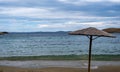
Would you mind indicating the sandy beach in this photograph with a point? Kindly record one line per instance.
(58, 66)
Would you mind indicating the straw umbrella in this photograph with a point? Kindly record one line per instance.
(92, 33)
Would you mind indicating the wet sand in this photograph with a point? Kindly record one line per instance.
(59, 69)
(58, 66)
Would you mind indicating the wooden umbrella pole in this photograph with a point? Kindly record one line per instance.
(90, 33)
(90, 47)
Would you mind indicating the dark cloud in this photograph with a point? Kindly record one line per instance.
(88, 12)
(93, 8)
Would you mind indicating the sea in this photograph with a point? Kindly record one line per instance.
(55, 43)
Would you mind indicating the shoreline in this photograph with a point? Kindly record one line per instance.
(56, 63)
(63, 57)
(62, 63)
(58, 66)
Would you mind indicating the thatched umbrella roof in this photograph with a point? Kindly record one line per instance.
(91, 31)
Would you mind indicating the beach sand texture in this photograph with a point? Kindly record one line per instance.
(57, 66)
(59, 69)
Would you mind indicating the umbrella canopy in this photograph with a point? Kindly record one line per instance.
(90, 32)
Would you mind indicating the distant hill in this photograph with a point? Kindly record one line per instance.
(112, 30)
(1, 33)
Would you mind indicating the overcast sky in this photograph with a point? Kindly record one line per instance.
(58, 15)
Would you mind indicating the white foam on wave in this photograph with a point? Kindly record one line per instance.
(85, 65)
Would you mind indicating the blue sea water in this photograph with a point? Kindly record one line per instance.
(55, 43)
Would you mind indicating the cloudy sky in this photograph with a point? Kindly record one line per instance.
(58, 15)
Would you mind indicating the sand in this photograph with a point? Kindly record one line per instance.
(60, 69)
(58, 66)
